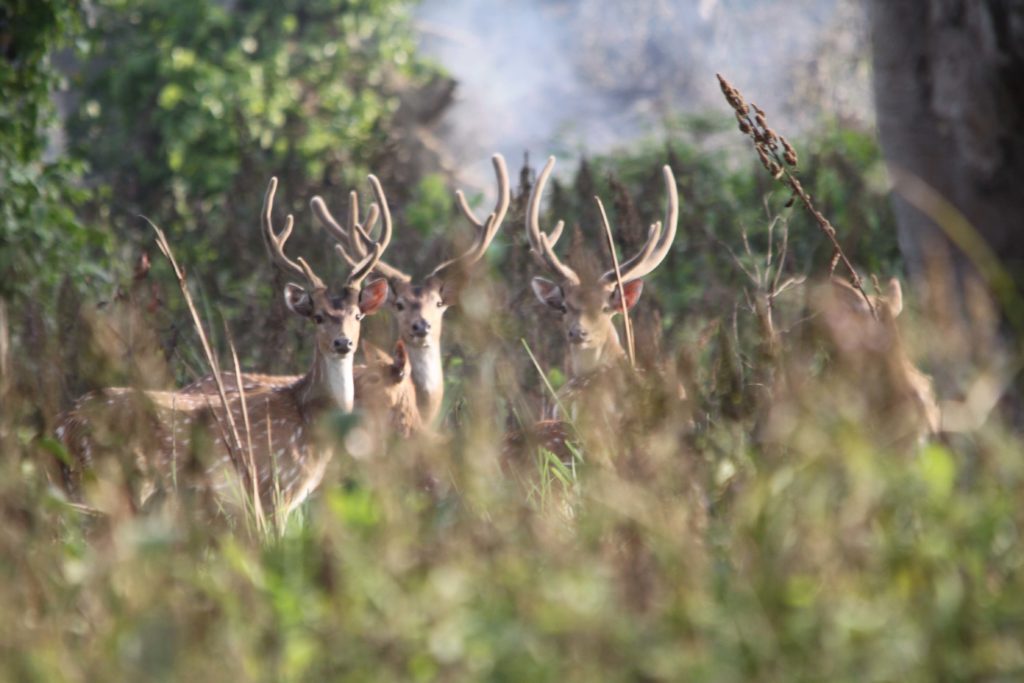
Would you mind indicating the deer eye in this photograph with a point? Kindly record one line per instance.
(360, 316)
(318, 319)
(399, 306)
(440, 304)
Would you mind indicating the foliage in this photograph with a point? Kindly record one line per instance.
(41, 237)
(209, 100)
(840, 167)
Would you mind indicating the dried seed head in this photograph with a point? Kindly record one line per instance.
(760, 120)
(833, 263)
(790, 156)
(733, 96)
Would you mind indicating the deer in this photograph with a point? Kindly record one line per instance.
(266, 438)
(419, 306)
(869, 353)
(587, 306)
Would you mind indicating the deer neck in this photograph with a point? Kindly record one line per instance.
(328, 384)
(585, 360)
(428, 378)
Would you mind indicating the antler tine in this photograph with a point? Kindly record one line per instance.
(275, 241)
(627, 266)
(363, 230)
(657, 246)
(385, 269)
(540, 243)
(363, 268)
(350, 236)
(486, 229)
(326, 218)
(352, 242)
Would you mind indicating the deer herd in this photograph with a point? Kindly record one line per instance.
(261, 433)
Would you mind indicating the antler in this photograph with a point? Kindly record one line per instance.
(352, 243)
(541, 244)
(658, 243)
(487, 229)
(275, 241)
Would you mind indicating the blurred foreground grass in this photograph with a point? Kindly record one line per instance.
(686, 552)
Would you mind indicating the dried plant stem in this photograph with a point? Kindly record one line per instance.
(235, 443)
(250, 459)
(554, 394)
(630, 348)
(779, 157)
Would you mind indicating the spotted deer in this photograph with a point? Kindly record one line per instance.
(870, 357)
(386, 394)
(588, 306)
(419, 307)
(263, 439)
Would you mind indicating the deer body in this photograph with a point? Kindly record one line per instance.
(288, 462)
(265, 436)
(587, 307)
(870, 378)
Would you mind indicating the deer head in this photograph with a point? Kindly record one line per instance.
(419, 307)
(338, 318)
(870, 355)
(587, 307)
(849, 320)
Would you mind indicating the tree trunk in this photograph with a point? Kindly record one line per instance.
(949, 87)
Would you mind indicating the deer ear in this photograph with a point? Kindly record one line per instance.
(894, 295)
(374, 355)
(632, 290)
(298, 300)
(400, 366)
(548, 293)
(373, 295)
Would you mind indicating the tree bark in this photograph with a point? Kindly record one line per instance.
(949, 89)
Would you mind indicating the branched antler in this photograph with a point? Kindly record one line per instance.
(486, 229)
(275, 241)
(354, 243)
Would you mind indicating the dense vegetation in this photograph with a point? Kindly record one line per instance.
(687, 547)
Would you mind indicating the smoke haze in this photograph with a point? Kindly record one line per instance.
(578, 76)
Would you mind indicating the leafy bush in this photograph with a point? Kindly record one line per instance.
(42, 239)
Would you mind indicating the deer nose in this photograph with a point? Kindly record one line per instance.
(342, 345)
(578, 334)
(420, 327)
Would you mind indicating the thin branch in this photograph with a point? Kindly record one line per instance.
(618, 283)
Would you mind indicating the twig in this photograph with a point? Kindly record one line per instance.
(778, 157)
(618, 282)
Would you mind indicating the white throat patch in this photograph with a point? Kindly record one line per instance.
(340, 381)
